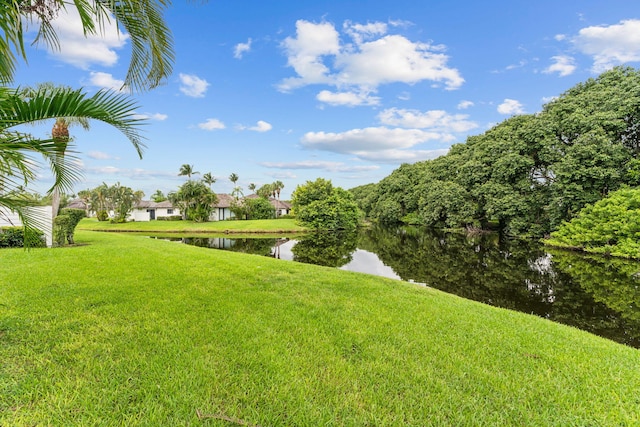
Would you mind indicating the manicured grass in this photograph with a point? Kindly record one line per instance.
(287, 225)
(126, 330)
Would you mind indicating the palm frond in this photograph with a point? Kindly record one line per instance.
(152, 52)
(115, 109)
(11, 39)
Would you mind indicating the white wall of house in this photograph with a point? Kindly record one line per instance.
(42, 214)
(220, 214)
(146, 214)
(139, 215)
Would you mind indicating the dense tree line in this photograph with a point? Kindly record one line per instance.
(529, 173)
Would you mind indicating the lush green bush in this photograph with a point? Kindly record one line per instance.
(169, 218)
(102, 215)
(14, 237)
(610, 226)
(259, 208)
(65, 224)
(321, 206)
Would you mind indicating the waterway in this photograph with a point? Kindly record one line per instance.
(594, 293)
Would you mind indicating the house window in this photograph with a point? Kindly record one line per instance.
(169, 211)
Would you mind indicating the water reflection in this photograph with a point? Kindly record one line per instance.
(600, 295)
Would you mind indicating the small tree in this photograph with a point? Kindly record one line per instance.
(321, 206)
(195, 199)
(64, 225)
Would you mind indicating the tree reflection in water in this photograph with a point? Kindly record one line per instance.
(597, 294)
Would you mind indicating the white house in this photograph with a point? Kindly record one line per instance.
(147, 210)
(222, 209)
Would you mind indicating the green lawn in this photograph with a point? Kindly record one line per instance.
(125, 330)
(255, 226)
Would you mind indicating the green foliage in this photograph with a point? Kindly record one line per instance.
(610, 226)
(195, 199)
(102, 215)
(528, 173)
(169, 218)
(64, 225)
(14, 237)
(329, 249)
(321, 206)
(259, 208)
(365, 196)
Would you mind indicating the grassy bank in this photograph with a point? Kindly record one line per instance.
(125, 330)
(256, 226)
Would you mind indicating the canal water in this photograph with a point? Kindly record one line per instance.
(594, 293)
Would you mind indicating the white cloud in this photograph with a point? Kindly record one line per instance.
(261, 126)
(319, 164)
(151, 116)
(367, 139)
(435, 120)
(547, 99)
(379, 144)
(560, 37)
(136, 173)
(241, 48)
(192, 85)
(82, 51)
(105, 80)
(610, 45)
(305, 52)
(99, 155)
(361, 32)
(463, 105)
(510, 107)
(369, 63)
(211, 124)
(564, 65)
(402, 156)
(350, 99)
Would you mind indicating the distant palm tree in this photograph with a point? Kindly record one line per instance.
(158, 196)
(233, 178)
(187, 170)
(208, 179)
(278, 186)
(252, 187)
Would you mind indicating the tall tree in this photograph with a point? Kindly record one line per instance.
(233, 178)
(187, 170)
(46, 103)
(60, 134)
(208, 179)
(158, 196)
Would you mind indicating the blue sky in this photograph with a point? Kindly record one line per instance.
(343, 90)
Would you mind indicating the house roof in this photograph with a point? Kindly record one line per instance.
(77, 204)
(224, 200)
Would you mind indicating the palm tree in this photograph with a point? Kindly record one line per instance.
(152, 53)
(17, 147)
(158, 196)
(60, 134)
(233, 178)
(278, 186)
(208, 179)
(252, 187)
(187, 170)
